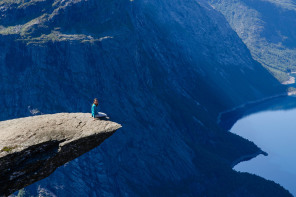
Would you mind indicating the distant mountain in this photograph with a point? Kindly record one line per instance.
(162, 69)
(267, 27)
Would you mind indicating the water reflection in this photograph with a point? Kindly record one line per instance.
(272, 126)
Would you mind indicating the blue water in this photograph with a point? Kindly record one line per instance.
(273, 129)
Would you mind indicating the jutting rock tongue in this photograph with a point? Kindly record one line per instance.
(32, 148)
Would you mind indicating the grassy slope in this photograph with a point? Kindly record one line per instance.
(267, 28)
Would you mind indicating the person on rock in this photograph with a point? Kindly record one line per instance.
(95, 110)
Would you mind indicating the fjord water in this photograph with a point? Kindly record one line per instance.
(272, 127)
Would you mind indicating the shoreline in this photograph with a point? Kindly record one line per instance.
(249, 103)
(248, 157)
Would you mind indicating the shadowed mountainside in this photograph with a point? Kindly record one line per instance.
(165, 70)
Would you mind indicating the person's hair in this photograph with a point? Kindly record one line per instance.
(95, 100)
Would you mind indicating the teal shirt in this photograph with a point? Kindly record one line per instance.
(94, 110)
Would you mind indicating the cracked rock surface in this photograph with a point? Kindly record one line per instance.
(32, 148)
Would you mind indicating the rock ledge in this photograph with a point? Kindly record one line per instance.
(32, 148)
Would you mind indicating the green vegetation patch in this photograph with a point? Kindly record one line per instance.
(8, 148)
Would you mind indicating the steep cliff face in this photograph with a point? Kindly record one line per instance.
(162, 69)
(32, 148)
(267, 27)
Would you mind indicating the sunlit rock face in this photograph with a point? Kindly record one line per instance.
(163, 69)
(32, 148)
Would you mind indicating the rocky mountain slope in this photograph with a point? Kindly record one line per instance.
(32, 148)
(267, 27)
(163, 69)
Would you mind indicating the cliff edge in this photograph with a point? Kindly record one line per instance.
(32, 148)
